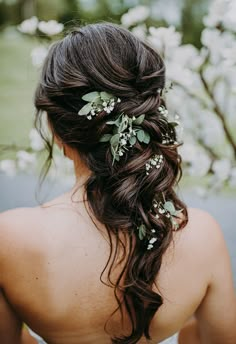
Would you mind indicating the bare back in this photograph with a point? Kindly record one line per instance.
(51, 263)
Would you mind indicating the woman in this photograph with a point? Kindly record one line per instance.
(119, 258)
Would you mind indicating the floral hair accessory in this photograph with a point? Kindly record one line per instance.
(159, 208)
(142, 232)
(163, 111)
(155, 161)
(126, 132)
(97, 102)
(167, 209)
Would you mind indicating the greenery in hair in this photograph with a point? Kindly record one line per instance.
(126, 132)
(97, 102)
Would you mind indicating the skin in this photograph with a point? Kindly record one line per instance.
(51, 258)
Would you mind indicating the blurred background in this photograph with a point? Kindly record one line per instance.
(197, 40)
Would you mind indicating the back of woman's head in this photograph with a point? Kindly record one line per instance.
(132, 195)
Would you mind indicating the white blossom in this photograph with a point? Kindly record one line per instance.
(164, 40)
(8, 166)
(38, 55)
(210, 128)
(230, 16)
(222, 12)
(36, 141)
(29, 26)
(217, 42)
(50, 28)
(135, 15)
(214, 17)
(188, 56)
(140, 31)
(229, 54)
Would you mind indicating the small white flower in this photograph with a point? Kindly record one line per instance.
(29, 26)
(165, 40)
(135, 15)
(161, 211)
(150, 246)
(50, 28)
(152, 241)
(89, 117)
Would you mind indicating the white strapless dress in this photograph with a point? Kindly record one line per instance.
(172, 340)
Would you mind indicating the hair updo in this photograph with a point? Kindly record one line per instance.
(106, 57)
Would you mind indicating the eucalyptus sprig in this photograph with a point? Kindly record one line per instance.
(170, 209)
(97, 102)
(126, 132)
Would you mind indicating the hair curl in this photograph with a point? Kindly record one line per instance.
(106, 57)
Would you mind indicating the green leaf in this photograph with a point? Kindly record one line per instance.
(139, 120)
(132, 140)
(90, 97)
(115, 140)
(140, 135)
(174, 124)
(85, 110)
(123, 125)
(169, 206)
(146, 138)
(141, 231)
(106, 96)
(116, 122)
(105, 138)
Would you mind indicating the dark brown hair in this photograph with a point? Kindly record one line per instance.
(106, 57)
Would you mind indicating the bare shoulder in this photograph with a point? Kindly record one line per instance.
(203, 229)
(11, 220)
(16, 227)
(201, 241)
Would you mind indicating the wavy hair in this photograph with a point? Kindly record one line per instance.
(107, 57)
